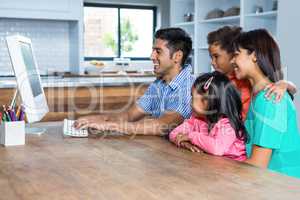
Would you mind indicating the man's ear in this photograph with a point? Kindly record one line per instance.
(177, 56)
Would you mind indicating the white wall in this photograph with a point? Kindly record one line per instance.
(54, 27)
(64, 28)
(289, 39)
(50, 41)
(163, 8)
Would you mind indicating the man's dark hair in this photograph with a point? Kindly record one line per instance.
(224, 37)
(177, 40)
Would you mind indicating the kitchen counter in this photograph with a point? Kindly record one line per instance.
(81, 81)
(72, 97)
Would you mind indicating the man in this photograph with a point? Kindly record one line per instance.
(167, 99)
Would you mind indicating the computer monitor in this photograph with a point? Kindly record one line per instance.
(27, 76)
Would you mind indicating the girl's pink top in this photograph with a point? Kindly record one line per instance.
(220, 141)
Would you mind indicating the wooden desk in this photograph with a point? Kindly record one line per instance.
(53, 167)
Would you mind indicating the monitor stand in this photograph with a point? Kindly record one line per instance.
(28, 129)
(34, 130)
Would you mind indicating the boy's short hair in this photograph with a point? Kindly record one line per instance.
(177, 39)
(224, 37)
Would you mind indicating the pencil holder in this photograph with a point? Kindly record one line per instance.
(12, 133)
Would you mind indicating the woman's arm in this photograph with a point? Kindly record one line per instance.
(260, 156)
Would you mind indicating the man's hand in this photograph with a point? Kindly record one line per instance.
(104, 126)
(90, 121)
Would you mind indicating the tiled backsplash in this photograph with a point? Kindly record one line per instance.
(50, 40)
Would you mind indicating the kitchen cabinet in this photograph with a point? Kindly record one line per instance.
(250, 14)
(41, 9)
(67, 13)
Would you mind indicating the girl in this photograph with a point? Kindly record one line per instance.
(274, 140)
(216, 125)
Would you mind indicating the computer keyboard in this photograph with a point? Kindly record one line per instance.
(70, 130)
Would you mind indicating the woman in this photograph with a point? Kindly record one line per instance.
(274, 140)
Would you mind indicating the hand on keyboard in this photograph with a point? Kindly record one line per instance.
(70, 130)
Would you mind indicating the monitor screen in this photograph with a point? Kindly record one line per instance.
(28, 80)
(31, 69)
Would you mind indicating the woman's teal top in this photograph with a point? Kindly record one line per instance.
(273, 125)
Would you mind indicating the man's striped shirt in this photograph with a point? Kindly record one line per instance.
(175, 96)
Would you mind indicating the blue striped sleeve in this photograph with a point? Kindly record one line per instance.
(146, 101)
(180, 102)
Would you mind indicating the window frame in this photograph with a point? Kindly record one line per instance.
(119, 7)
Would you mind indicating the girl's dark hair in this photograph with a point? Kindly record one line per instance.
(224, 37)
(266, 50)
(177, 39)
(223, 101)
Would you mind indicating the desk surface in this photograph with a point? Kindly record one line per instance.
(53, 167)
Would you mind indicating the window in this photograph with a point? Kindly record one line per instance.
(118, 31)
